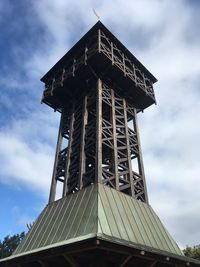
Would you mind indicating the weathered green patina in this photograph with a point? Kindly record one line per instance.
(98, 211)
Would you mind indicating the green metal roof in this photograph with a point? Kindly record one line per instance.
(102, 212)
(123, 218)
(63, 221)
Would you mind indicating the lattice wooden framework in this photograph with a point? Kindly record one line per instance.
(99, 87)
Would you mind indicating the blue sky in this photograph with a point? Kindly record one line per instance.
(164, 36)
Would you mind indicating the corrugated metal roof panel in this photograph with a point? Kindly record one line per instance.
(125, 218)
(67, 218)
(98, 210)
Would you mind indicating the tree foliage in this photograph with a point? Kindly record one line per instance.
(192, 252)
(9, 244)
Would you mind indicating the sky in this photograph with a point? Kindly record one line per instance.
(164, 36)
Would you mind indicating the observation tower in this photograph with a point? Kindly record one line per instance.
(102, 217)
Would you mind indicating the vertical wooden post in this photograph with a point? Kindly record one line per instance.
(115, 152)
(74, 68)
(99, 41)
(98, 169)
(85, 56)
(112, 55)
(82, 146)
(134, 74)
(68, 154)
(144, 81)
(58, 148)
(124, 65)
(140, 160)
(128, 149)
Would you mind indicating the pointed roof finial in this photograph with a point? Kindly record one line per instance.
(96, 14)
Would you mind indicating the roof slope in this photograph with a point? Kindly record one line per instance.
(98, 211)
(62, 220)
(123, 218)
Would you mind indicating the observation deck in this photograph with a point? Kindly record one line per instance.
(98, 54)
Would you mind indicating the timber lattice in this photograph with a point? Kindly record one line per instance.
(103, 139)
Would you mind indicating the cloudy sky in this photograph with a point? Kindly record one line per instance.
(164, 36)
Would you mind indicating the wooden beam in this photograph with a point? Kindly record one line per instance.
(112, 55)
(140, 160)
(71, 261)
(82, 146)
(53, 181)
(128, 149)
(42, 263)
(114, 136)
(99, 40)
(68, 154)
(125, 261)
(153, 264)
(98, 169)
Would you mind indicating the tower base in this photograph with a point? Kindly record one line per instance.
(98, 226)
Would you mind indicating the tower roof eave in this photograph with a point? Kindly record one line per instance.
(99, 25)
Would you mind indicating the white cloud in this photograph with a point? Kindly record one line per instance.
(20, 164)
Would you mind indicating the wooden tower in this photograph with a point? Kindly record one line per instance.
(103, 217)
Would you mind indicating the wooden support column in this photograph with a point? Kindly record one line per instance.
(112, 55)
(82, 145)
(53, 181)
(74, 68)
(98, 169)
(99, 41)
(68, 154)
(140, 160)
(128, 149)
(124, 65)
(134, 74)
(115, 151)
(144, 81)
(85, 56)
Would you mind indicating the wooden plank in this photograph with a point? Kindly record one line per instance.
(99, 40)
(71, 261)
(124, 65)
(82, 145)
(112, 55)
(58, 148)
(114, 135)
(153, 264)
(42, 263)
(68, 154)
(98, 169)
(125, 261)
(128, 149)
(140, 160)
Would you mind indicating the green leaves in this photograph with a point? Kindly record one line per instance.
(192, 252)
(9, 244)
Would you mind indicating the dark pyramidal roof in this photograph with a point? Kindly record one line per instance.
(92, 31)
